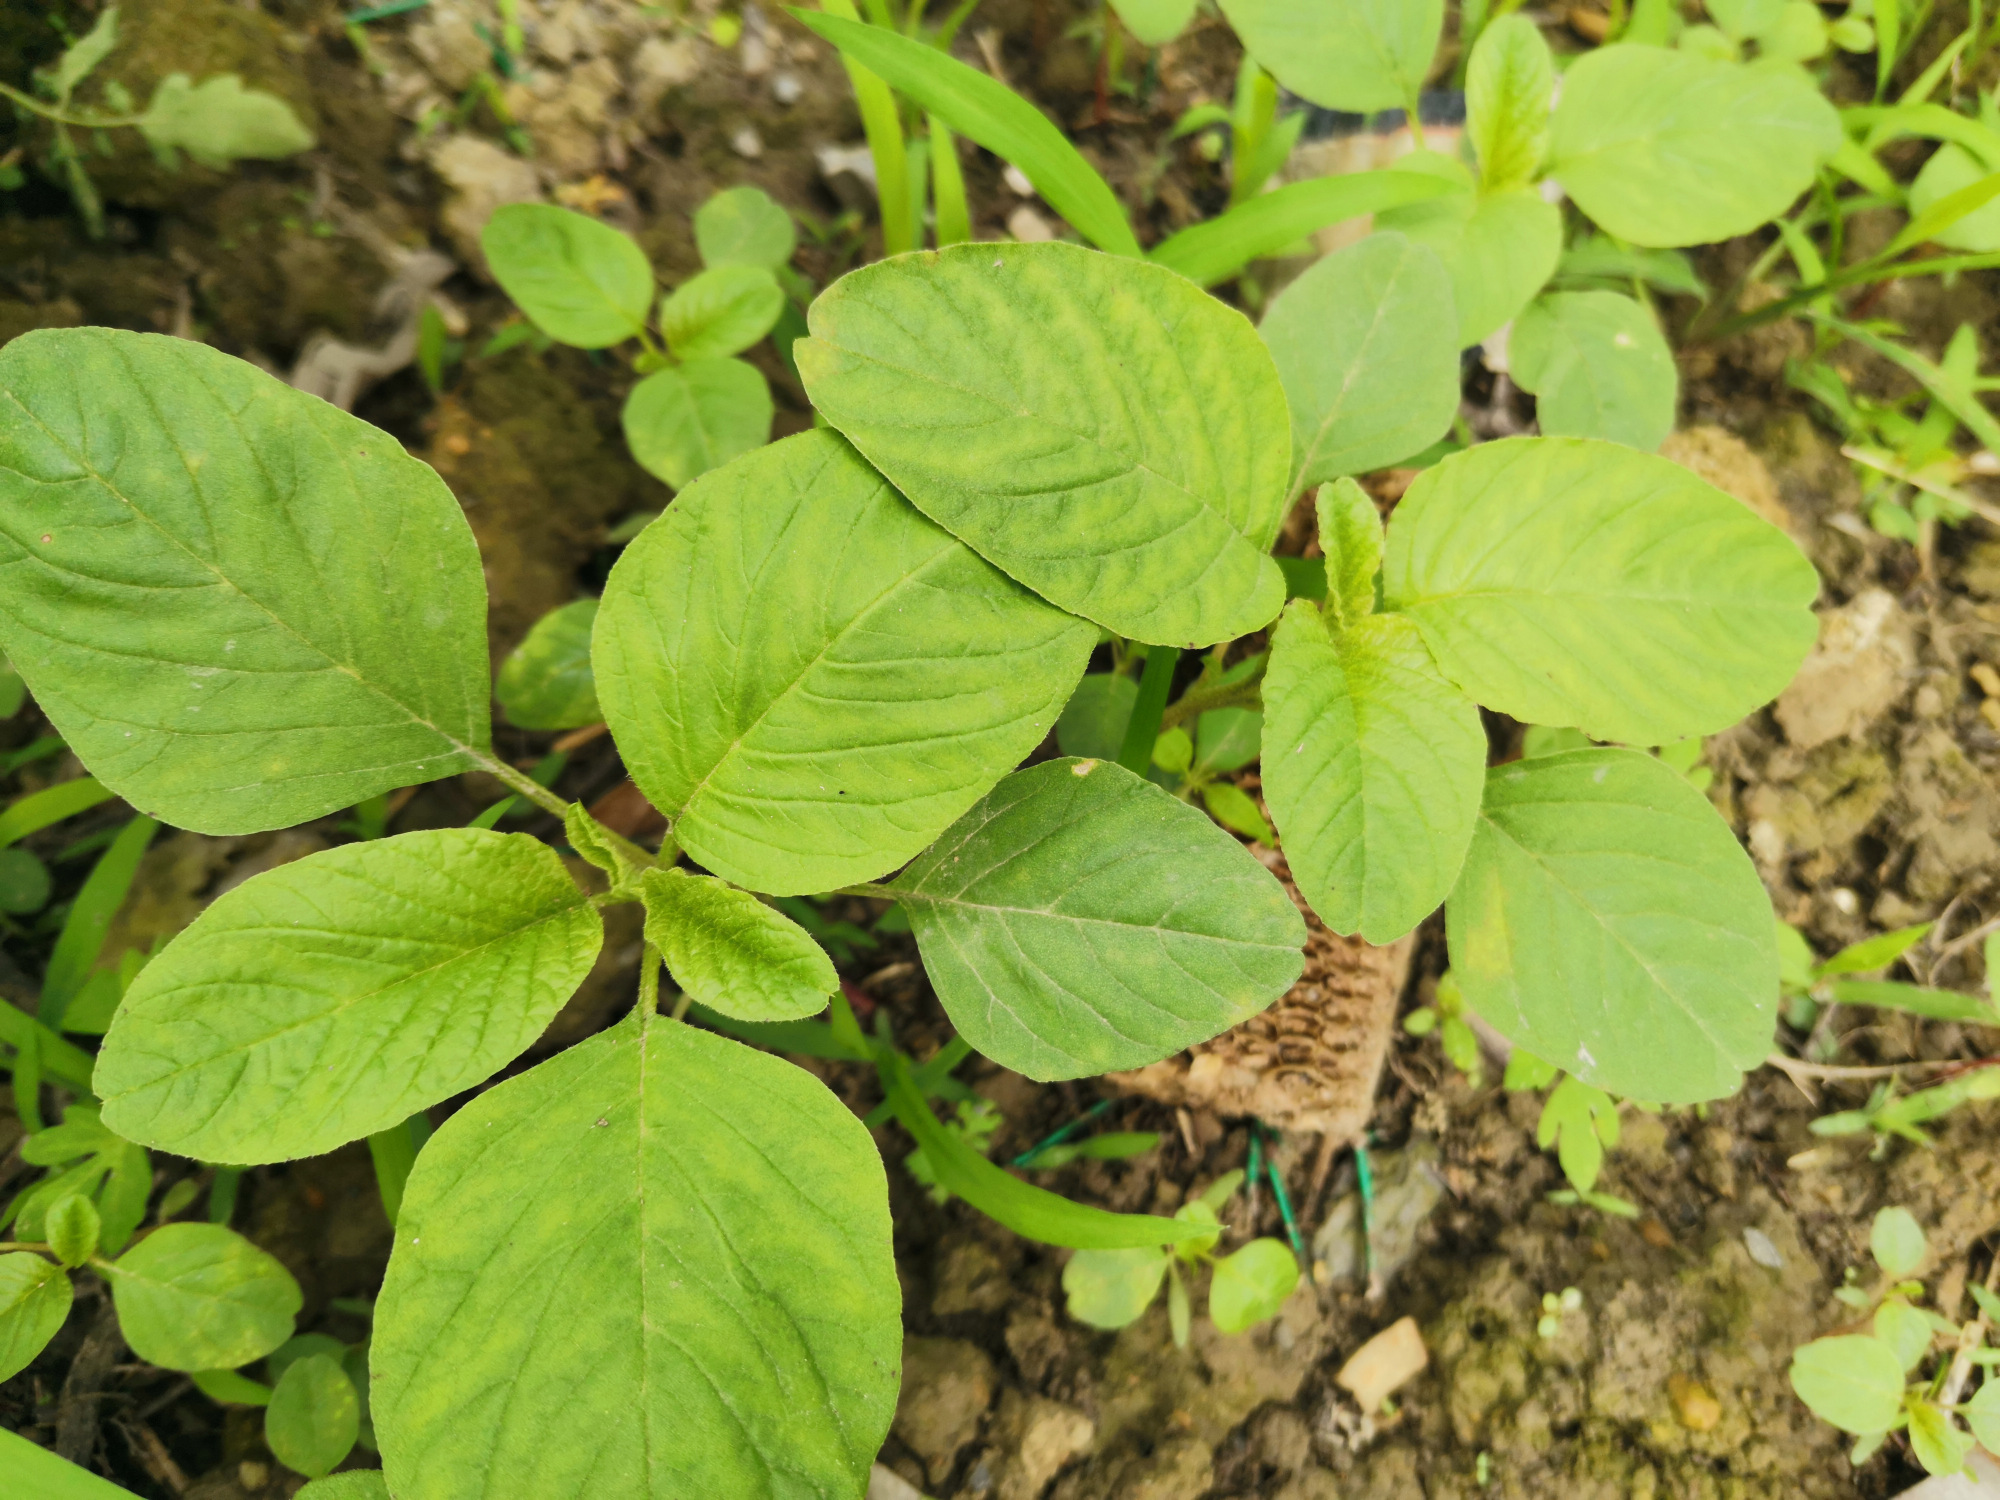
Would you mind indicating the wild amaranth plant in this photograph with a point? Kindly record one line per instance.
(244, 609)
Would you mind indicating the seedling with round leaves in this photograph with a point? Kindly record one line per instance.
(824, 664)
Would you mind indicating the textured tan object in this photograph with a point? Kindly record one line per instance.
(1311, 1061)
(1383, 1365)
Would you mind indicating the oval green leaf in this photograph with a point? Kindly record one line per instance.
(1096, 427)
(1950, 168)
(1499, 249)
(244, 609)
(1366, 345)
(1080, 920)
(1357, 55)
(733, 953)
(1896, 1241)
(720, 312)
(1510, 87)
(1579, 584)
(546, 682)
(678, 1244)
(580, 281)
(1607, 920)
(1373, 768)
(1251, 1285)
(334, 997)
(355, 1484)
(35, 1296)
(1598, 366)
(682, 421)
(1982, 1414)
(823, 707)
(314, 1416)
(744, 226)
(1155, 22)
(1651, 143)
(1853, 1381)
(201, 1297)
(1110, 1288)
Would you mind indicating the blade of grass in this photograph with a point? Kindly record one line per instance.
(1215, 251)
(89, 921)
(43, 809)
(882, 123)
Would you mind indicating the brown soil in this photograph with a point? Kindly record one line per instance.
(1870, 796)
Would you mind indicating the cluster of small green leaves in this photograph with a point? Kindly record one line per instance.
(1113, 1288)
(217, 121)
(1872, 1384)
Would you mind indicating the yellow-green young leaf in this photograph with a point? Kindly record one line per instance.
(201, 1297)
(1155, 22)
(1510, 87)
(682, 421)
(314, 1416)
(1606, 919)
(1598, 366)
(1358, 55)
(1080, 919)
(1938, 1442)
(674, 1248)
(242, 608)
(1110, 1288)
(1093, 721)
(744, 226)
(1897, 1242)
(72, 1229)
(34, 1300)
(1366, 345)
(1233, 808)
(1982, 1413)
(1373, 767)
(218, 121)
(334, 997)
(1950, 168)
(1904, 1329)
(1579, 584)
(1650, 143)
(1095, 426)
(580, 281)
(1853, 1381)
(1350, 534)
(546, 682)
(731, 951)
(355, 1484)
(822, 707)
(1499, 249)
(1251, 1285)
(721, 311)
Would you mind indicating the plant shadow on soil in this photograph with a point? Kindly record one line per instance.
(1869, 796)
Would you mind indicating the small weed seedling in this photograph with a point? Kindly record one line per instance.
(1112, 1288)
(1907, 1373)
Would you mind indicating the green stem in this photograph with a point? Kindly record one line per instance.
(1199, 700)
(1136, 753)
(64, 117)
(867, 888)
(35, 1246)
(522, 783)
(61, 1062)
(649, 987)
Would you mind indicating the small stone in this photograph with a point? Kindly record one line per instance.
(1380, 1367)
(947, 1386)
(1694, 1403)
(786, 88)
(1029, 227)
(747, 143)
(1016, 179)
(252, 1474)
(1762, 1250)
(885, 1483)
(1038, 1437)
(755, 53)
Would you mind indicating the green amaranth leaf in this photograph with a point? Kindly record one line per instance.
(1950, 168)
(1575, 583)
(1896, 1241)
(313, 1417)
(1650, 143)
(1938, 1442)
(1598, 366)
(580, 281)
(1080, 920)
(1111, 1288)
(218, 122)
(1358, 55)
(201, 1297)
(682, 421)
(732, 952)
(335, 996)
(48, 1476)
(1982, 1413)
(355, 1484)
(1096, 427)
(1366, 345)
(675, 1249)
(1373, 768)
(1499, 248)
(822, 707)
(1853, 1381)
(744, 226)
(34, 1302)
(546, 682)
(1155, 22)
(1607, 920)
(1252, 1285)
(721, 311)
(1350, 534)
(1510, 88)
(243, 611)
